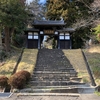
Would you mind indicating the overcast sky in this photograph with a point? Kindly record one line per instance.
(41, 1)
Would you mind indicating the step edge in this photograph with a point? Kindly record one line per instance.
(49, 94)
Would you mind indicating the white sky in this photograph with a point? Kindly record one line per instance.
(41, 1)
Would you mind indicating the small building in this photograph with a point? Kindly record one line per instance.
(44, 30)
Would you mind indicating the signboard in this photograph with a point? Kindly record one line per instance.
(49, 31)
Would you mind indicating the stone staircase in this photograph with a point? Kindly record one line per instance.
(54, 74)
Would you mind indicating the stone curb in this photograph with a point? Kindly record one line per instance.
(10, 94)
(49, 94)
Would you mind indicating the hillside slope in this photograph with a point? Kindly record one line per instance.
(93, 57)
(76, 59)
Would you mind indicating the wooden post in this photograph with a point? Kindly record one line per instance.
(39, 41)
(70, 41)
(58, 42)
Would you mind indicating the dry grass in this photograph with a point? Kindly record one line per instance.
(10, 62)
(94, 49)
(28, 60)
(93, 56)
(76, 59)
(97, 93)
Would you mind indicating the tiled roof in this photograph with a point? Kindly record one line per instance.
(31, 29)
(48, 22)
(67, 29)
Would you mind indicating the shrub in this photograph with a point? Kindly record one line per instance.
(3, 81)
(19, 79)
(2, 55)
(18, 40)
(26, 74)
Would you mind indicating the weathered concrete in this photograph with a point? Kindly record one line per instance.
(53, 97)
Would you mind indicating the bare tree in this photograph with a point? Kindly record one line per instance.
(94, 19)
(36, 11)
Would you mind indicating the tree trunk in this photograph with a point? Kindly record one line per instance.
(0, 41)
(12, 34)
(7, 39)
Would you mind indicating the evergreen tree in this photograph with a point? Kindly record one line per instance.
(70, 10)
(12, 15)
(80, 21)
(75, 14)
(57, 9)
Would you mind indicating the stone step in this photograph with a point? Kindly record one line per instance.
(68, 86)
(60, 90)
(53, 83)
(87, 90)
(75, 78)
(55, 79)
(6, 95)
(49, 94)
(54, 72)
(49, 77)
(54, 75)
(75, 90)
(54, 69)
(58, 62)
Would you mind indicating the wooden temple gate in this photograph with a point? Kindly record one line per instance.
(55, 29)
